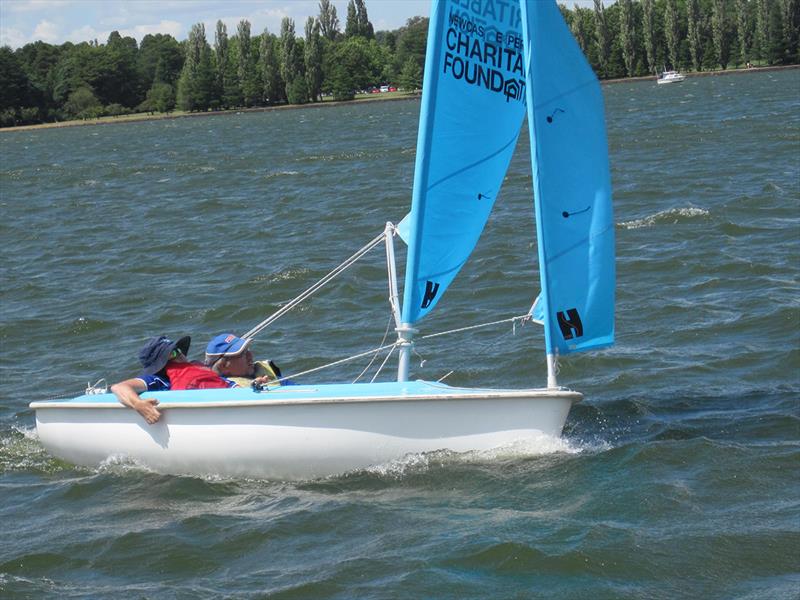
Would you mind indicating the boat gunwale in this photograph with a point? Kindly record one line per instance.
(269, 400)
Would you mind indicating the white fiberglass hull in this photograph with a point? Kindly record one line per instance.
(298, 432)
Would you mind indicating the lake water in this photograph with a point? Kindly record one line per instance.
(677, 477)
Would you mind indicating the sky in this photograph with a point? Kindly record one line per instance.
(59, 21)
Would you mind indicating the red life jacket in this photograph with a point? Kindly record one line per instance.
(190, 376)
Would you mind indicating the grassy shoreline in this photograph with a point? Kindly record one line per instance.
(384, 97)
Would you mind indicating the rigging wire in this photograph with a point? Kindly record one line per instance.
(314, 288)
(383, 341)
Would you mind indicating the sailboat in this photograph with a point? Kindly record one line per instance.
(484, 72)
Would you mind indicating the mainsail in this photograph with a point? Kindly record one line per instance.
(473, 104)
(572, 186)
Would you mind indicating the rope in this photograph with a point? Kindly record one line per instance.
(385, 335)
(314, 288)
(383, 364)
(338, 362)
(522, 318)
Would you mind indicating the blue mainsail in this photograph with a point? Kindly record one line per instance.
(473, 104)
(572, 185)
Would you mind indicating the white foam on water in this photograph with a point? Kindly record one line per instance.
(539, 444)
(272, 174)
(671, 216)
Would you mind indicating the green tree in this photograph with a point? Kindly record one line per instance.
(14, 83)
(246, 65)
(763, 30)
(274, 88)
(720, 31)
(196, 83)
(365, 28)
(412, 40)
(351, 23)
(672, 31)
(602, 37)
(411, 76)
(160, 58)
(221, 53)
(627, 33)
(790, 27)
(38, 61)
(160, 98)
(328, 21)
(743, 31)
(694, 26)
(292, 64)
(117, 80)
(313, 59)
(83, 104)
(649, 34)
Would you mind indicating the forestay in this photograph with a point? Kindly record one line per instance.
(473, 104)
(572, 186)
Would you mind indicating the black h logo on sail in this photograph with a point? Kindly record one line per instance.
(569, 323)
(431, 290)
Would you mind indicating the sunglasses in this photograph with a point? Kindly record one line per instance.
(175, 354)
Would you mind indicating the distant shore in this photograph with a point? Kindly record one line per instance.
(705, 73)
(385, 97)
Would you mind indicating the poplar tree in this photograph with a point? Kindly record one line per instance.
(649, 33)
(365, 28)
(196, 82)
(221, 50)
(328, 21)
(602, 36)
(221, 54)
(719, 31)
(292, 64)
(671, 32)
(579, 30)
(693, 31)
(790, 17)
(351, 24)
(313, 59)
(245, 66)
(627, 33)
(742, 30)
(763, 31)
(274, 88)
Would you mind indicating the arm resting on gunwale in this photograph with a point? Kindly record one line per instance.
(127, 392)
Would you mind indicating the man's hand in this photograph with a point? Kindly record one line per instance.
(147, 408)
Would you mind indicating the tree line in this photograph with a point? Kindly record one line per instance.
(42, 82)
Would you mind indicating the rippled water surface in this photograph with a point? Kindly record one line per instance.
(678, 476)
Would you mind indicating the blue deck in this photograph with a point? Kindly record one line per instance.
(338, 391)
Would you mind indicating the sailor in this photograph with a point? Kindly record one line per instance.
(229, 356)
(165, 367)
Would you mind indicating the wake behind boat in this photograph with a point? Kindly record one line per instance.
(481, 79)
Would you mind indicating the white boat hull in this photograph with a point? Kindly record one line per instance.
(298, 432)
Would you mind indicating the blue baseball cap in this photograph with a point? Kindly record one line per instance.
(155, 354)
(225, 344)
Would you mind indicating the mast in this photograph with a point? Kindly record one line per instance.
(537, 192)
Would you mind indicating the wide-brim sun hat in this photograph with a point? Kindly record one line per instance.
(155, 354)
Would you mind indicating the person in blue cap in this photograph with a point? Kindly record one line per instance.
(229, 356)
(165, 367)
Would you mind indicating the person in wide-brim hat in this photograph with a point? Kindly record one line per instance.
(165, 367)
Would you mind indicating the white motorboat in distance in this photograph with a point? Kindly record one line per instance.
(670, 77)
